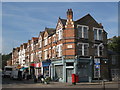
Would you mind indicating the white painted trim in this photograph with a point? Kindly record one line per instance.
(98, 48)
(83, 47)
(45, 49)
(98, 29)
(83, 31)
(69, 66)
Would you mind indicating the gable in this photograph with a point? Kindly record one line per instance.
(40, 37)
(59, 25)
(89, 21)
(45, 34)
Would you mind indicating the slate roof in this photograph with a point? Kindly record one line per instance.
(50, 31)
(41, 33)
(63, 21)
(88, 20)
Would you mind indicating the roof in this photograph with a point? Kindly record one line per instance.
(41, 33)
(63, 21)
(34, 38)
(110, 52)
(88, 20)
(50, 31)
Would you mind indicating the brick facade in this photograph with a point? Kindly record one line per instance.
(71, 39)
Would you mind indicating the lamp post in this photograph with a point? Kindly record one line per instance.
(76, 62)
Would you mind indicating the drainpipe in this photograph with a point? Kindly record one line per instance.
(75, 65)
(64, 69)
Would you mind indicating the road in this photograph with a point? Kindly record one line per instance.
(7, 83)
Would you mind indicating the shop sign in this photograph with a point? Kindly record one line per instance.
(37, 64)
(69, 46)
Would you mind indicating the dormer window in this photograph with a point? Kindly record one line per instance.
(98, 33)
(82, 31)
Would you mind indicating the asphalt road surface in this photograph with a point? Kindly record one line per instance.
(8, 83)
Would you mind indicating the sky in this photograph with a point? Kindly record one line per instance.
(23, 20)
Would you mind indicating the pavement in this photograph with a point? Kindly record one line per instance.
(7, 83)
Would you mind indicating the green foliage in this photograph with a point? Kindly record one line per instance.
(115, 44)
(5, 58)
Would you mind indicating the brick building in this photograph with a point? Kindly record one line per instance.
(15, 56)
(78, 47)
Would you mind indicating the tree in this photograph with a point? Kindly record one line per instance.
(114, 45)
(5, 58)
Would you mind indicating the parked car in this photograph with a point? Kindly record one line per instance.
(2, 74)
(7, 71)
(14, 74)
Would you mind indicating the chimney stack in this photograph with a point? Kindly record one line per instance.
(70, 14)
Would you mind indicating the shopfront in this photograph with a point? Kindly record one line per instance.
(84, 69)
(45, 68)
(61, 70)
(35, 69)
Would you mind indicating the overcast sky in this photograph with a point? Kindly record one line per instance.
(22, 21)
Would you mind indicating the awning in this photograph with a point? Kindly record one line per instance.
(18, 67)
(23, 68)
(35, 64)
(46, 64)
(32, 64)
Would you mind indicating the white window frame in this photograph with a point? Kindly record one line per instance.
(45, 41)
(98, 48)
(32, 46)
(32, 57)
(59, 50)
(53, 52)
(40, 43)
(83, 54)
(98, 29)
(40, 54)
(54, 38)
(60, 34)
(49, 40)
(50, 52)
(45, 54)
(83, 30)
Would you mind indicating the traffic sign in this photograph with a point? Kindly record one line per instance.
(97, 66)
(97, 63)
